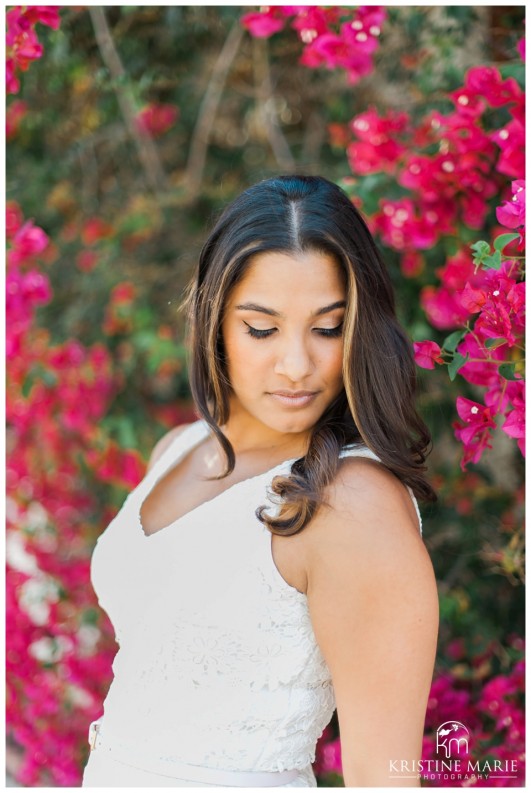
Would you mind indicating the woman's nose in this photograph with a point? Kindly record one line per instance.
(294, 361)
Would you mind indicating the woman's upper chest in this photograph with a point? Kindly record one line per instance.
(186, 484)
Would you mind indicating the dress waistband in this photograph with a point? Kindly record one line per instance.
(193, 773)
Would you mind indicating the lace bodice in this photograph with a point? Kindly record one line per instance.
(218, 664)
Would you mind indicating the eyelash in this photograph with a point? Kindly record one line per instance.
(329, 333)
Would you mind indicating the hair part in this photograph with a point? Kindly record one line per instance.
(295, 214)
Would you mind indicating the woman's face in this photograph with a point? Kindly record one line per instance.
(282, 331)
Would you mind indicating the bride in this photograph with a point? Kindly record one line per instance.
(270, 567)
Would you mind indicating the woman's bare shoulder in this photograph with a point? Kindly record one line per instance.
(164, 442)
(366, 498)
(367, 522)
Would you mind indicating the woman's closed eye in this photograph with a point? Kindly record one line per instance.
(257, 333)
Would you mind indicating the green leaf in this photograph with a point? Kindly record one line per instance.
(481, 250)
(451, 341)
(504, 239)
(456, 364)
(492, 262)
(90, 616)
(491, 344)
(27, 385)
(36, 373)
(516, 70)
(507, 370)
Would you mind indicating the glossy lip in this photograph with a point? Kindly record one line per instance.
(294, 398)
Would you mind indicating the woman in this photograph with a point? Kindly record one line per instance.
(270, 565)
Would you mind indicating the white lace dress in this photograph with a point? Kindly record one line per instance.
(218, 665)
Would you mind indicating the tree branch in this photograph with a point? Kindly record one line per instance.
(147, 152)
(266, 106)
(207, 112)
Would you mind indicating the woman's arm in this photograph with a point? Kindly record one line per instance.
(373, 602)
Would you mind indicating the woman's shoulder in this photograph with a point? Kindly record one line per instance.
(366, 532)
(365, 506)
(165, 442)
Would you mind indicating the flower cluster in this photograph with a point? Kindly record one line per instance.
(490, 705)
(450, 164)
(22, 43)
(489, 302)
(59, 653)
(336, 37)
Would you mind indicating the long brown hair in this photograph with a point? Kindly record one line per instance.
(292, 214)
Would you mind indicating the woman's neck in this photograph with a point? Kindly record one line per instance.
(247, 434)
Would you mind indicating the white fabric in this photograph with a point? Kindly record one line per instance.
(218, 665)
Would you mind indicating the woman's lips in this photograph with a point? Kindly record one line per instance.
(294, 399)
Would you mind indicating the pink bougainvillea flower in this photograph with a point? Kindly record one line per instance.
(330, 757)
(482, 368)
(487, 81)
(514, 426)
(95, 229)
(157, 118)
(443, 304)
(46, 15)
(475, 433)
(312, 21)
(427, 354)
(26, 48)
(472, 299)
(512, 213)
(372, 127)
(263, 24)
(15, 113)
(379, 147)
(124, 292)
(14, 219)
(125, 468)
(511, 140)
(12, 81)
(28, 241)
(468, 103)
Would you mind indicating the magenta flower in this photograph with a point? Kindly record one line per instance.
(14, 219)
(427, 354)
(28, 241)
(512, 213)
(311, 21)
(475, 433)
(331, 758)
(157, 118)
(46, 15)
(15, 113)
(479, 370)
(379, 148)
(514, 424)
(263, 24)
(487, 81)
(511, 140)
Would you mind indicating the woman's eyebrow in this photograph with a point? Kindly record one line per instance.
(272, 313)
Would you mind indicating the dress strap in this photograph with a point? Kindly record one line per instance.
(360, 450)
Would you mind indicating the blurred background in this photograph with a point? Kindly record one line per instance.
(128, 129)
